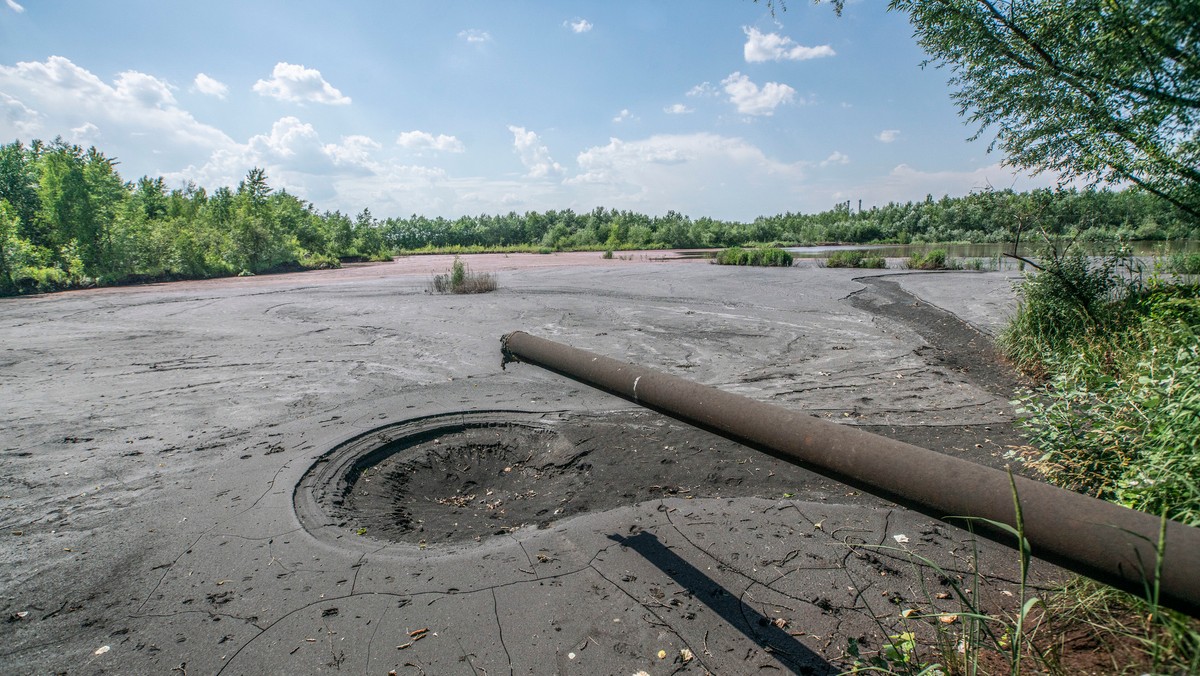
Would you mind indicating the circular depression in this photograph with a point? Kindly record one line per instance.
(468, 476)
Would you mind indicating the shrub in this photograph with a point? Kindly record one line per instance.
(1063, 305)
(758, 257)
(319, 262)
(1185, 263)
(930, 260)
(1120, 417)
(607, 255)
(460, 279)
(855, 259)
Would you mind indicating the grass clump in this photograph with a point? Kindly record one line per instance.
(318, 261)
(769, 257)
(930, 260)
(460, 279)
(855, 259)
(1182, 263)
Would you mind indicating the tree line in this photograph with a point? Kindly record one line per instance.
(68, 219)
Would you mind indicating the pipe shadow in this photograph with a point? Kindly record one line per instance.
(796, 656)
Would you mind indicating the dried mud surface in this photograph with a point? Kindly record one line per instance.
(155, 438)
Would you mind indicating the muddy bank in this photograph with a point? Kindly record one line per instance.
(156, 438)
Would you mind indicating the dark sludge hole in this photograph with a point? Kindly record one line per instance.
(472, 476)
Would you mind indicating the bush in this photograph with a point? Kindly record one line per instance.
(1062, 306)
(757, 257)
(319, 262)
(1120, 417)
(1185, 263)
(607, 255)
(855, 259)
(460, 279)
(40, 280)
(930, 260)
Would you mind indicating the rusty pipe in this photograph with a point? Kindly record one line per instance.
(1104, 541)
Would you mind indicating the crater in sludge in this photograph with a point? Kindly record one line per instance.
(472, 481)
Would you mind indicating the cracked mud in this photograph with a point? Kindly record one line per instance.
(158, 440)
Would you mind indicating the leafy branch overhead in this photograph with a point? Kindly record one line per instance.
(1103, 90)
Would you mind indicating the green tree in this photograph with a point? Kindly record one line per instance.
(18, 183)
(8, 246)
(1104, 90)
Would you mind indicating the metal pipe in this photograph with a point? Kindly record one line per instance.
(1102, 540)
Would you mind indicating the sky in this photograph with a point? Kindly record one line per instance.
(706, 107)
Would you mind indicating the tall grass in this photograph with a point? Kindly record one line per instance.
(768, 257)
(855, 259)
(1116, 414)
(460, 279)
(929, 260)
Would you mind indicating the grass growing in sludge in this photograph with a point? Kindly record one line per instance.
(768, 257)
(460, 279)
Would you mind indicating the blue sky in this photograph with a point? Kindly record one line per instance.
(707, 107)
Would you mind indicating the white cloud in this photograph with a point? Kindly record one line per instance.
(623, 115)
(294, 142)
(86, 134)
(837, 157)
(422, 140)
(137, 112)
(888, 135)
(14, 6)
(762, 47)
(703, 173)
(146, 89)
(475, 36)
(751, 100)
(579, 25)
(17, 116)
(210, 86)
(295, 83)
(354, 151)
(533, 153)
(703, 89)
(677, 109)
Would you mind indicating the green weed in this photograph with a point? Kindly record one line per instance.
(930, 260)
(460, 279)
(757, 257)
(855, 259)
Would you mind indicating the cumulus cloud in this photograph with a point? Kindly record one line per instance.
(888, 135)
(16, 115)
(423, 140)
(837, 157)
(533, 153)
(137, 112)
(623, 115)
(677, 109)
(354, 151)
(148, 90)
(750, 99)
(86, 134)
(579, 25)
(711, 174)
(297, 84)
(704, 89)
(475, 36)
(14, 6)
(762, 47)
(210, 86)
